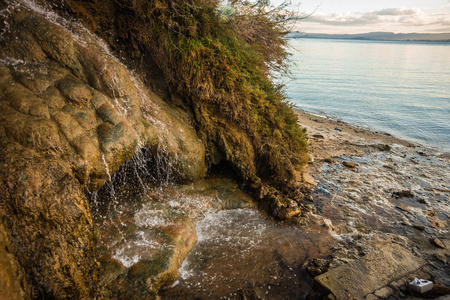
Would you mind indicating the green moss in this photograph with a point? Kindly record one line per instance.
(220, 67)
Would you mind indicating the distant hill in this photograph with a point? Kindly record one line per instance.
(380, 36)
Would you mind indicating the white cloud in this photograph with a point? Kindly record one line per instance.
(397, 12)
(389, 17)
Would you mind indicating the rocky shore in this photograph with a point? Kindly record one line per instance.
(89, 155)
(372, 190)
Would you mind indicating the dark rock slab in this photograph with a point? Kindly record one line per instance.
(366, 275)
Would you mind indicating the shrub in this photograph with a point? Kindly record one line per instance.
(219, 60)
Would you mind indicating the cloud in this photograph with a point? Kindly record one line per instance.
(393, 16)
(397, 12)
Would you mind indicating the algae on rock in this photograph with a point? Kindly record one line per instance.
(70, 116)
(218, 69)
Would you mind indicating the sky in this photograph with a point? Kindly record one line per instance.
(360, 16)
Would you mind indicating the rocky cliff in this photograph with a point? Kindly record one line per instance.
(72, 114)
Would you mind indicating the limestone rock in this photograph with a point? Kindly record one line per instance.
(383, 293)
(308, 179)
(70, 116)
(330, 160)
(438, 243)
(350, 164)
(11, 277)
(370, 273)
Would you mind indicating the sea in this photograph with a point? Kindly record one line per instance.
(398, 87)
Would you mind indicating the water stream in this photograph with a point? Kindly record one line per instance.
(242, 252)
(239, 250)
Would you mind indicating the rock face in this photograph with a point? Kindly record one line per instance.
(70, 116)
(366, 275)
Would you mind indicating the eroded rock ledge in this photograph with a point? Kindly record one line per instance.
(70, 116)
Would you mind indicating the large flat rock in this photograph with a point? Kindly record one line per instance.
(366, 275)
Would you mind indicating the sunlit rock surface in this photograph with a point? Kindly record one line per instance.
(70, 116)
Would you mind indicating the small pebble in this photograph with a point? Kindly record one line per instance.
(437, 243)
(350, 164)
(419, 227)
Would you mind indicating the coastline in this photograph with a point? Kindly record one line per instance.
(372, 189)
(333, 138)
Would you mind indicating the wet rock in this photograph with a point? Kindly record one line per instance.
(419, 227)
(330, 160)
(445, 155)
(287, 212)
(403, 194)
(338, 129)
(11, 276)
(401, 284)
(439, 289)
(437, 243)
(328, 224)
(383, 293)
(248, 294)
(405, 208)
(370, 273)
(69, 118)
(423, 201)
(316, 266)
(437, 223)
(350, 164)
(383, 147)
(308, 179)
(261, 192)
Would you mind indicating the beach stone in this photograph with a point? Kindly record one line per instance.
(401, 284)
(330, 160)
(437, 243)
(405, 208)
(350, 164)
(419, 227)
(441, 290)
(338, 128)
(445, 155)
(383, 293)
(403, 194)
(383, 147)
(328, 224)
(389, 167)
(370, 273)
(308, 179)
(371, 297)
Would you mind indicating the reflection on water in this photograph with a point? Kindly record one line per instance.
(395, 87)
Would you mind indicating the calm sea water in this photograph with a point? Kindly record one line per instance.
(402, 88)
